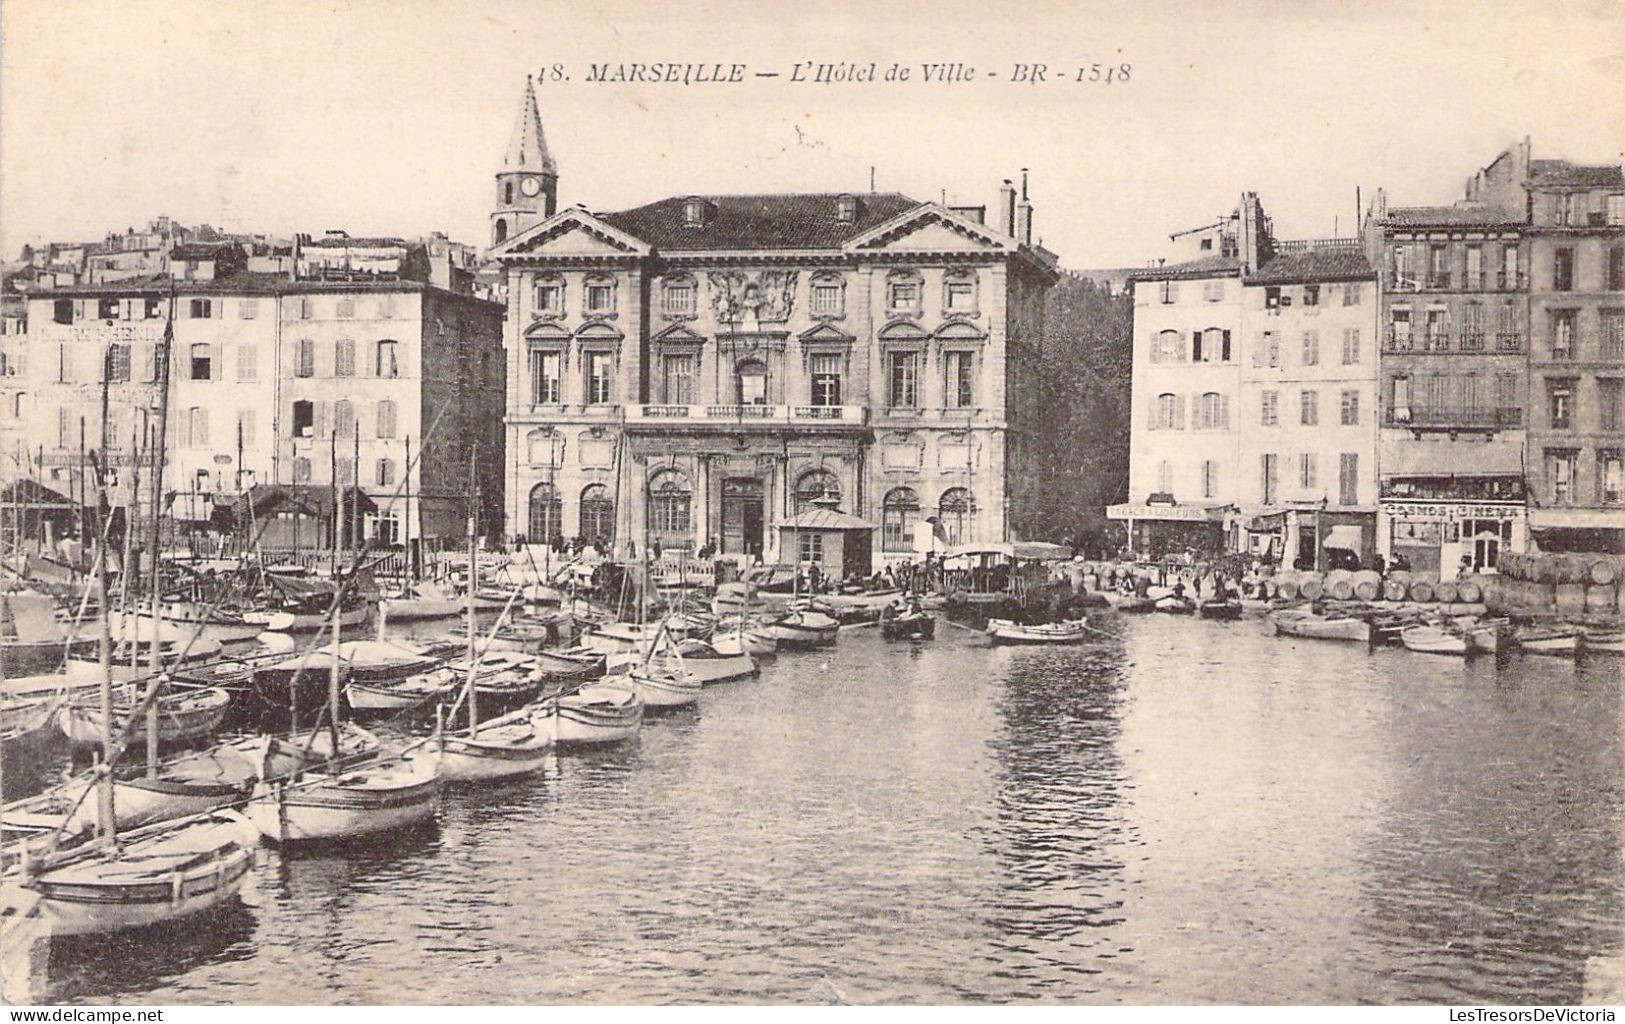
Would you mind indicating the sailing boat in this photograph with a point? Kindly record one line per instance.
(514, 744)
(339, 802)
(152, 875)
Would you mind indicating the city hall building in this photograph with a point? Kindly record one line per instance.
(757, 372)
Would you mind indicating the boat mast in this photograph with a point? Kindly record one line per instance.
(161, 361)
(107, 818)
(473, 581)
(338, 593)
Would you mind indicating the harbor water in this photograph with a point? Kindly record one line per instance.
(1197, 813)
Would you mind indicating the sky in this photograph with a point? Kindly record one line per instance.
(391, 117)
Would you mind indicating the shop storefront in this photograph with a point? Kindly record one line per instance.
(1310, 538)
(1154, 531)
(1435, 535)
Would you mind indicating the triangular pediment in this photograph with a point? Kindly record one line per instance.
(931, 228)
(680, 333)
(572, 232)
(828, 333)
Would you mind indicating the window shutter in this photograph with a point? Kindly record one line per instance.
(1196, 346)
(323, 417)
(1226, 346)
(1153, 410)
(217, 362)
(1224, 412)
(1179, 412)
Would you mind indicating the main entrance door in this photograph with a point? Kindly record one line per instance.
(742, 515)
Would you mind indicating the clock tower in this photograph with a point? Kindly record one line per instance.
(528, 183)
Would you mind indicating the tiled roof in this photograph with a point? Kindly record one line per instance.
(804, 220)
(1449, 215)
(1562, 172)
(244, 283)
(1338, 264)
(824, 519)
(202, 251)
(1207, 266)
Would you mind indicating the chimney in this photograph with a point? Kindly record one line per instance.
(1007, 208)
(1024, 214)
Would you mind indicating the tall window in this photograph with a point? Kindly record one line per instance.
(343, 418)
(386, 419)
(202, 362)
(1351, 346)
(959, 383)
(1168, 412)
(1269, 409)
(899, 512)
(386, 473)
(1212, 412)
(1167, 347)
(1438, 266)
(810, 547)
(248, 361)
(1210, 478)
(597, 514)
(1309, 407)
(904, 372)
(1165, 477)
(1306, 470)
(546, 514)
(679, 296)
(1610, 476)
(246, 428)
(202, 309)
(1608, 404)
(827, 298)
(1268, 484)
(344, 358)
(600, 295)
(669, 498)
(1437, 338)
(197, 427)
(1475, 266)
(301, 470)
(389, 361)
(1563, 270)
(307, 308)
(1563, 334)
(118, 364)
(1349, 408)
(956, 511)
(1399, 331)
(600, 378)
(1561, 464)
(1311, 348)
(1560, 403)
(1348, 478)
(305, 359)
(677, 372)
(546, 388)
(548, 296)
(826, 379)
(304, 418)
(1210, 346)
(752, 380)
(903, 293)
(818, 486)
(1168, 292)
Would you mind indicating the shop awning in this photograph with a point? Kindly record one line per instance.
(1576, 519)
(1452, 458)
(1169, 513)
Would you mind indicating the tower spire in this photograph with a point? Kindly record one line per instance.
(527, 148)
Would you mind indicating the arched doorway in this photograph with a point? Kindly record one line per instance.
(816, 487)
(742, 515)
(956, 512)
(899, 512)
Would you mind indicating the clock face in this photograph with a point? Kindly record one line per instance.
(530, 186)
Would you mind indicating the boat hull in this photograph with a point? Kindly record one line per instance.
(665, 689)
(1004, 631)
(183, 718)
(1313, 627)
(1557, 645)
(502, 751)
(1605, 641)
(598, 715)
(911, 627)
(1432, 640)
(365, 802)
(801, 631)
(80, 900)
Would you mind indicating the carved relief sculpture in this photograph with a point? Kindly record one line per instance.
(763, 296)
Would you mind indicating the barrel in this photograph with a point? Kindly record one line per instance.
(1367, 585)
(1394, 589)
(1469, 590)
(1603, 572)
(1340, 585)
(1601, 597)
(1445, 592)
(1286, 585)
(1311, 584)
(1570, 598)
(1421, 590)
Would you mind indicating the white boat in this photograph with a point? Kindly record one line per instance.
(31, 638)
(178, 653)
(752, 639)
(1428, 639)
(425, 601)
(1560, 641)
(1296, 622)
(515, 744)
(1006, 631)
(185, 716)
(597, 713)
(289, 620)
(803, 628)
(158, 874)
(375, 797)
(663, 687)
(703, 661)
(396, 696)
(25, 944)
(187, 617)
(618, 637)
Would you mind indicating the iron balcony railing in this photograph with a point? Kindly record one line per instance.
(1452, 416)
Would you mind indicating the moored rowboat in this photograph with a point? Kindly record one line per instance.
(1319, 627)
(1006, 631)
(1426, 639)
(597, 713)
